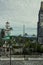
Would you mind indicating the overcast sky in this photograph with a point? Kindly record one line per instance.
(19, 12)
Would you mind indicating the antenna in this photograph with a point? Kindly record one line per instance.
(23, 30)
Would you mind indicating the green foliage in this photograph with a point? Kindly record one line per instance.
(38, 48)
(1, 42)
(41, 50)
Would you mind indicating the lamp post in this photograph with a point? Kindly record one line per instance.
(10, 54)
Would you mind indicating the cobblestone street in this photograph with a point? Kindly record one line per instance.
(7, 62)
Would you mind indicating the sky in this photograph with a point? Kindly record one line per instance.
(19, 13)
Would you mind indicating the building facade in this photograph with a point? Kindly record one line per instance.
(40, 25)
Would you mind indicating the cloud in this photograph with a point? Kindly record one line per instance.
(20, 12)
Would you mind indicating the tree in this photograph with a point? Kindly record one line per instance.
(2, 33)
(1, 42)
(38, 48)
(25, 34)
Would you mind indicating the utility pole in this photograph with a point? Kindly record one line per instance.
(10, 54)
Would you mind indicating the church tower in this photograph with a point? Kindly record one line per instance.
(40, 25)
(7, 29)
